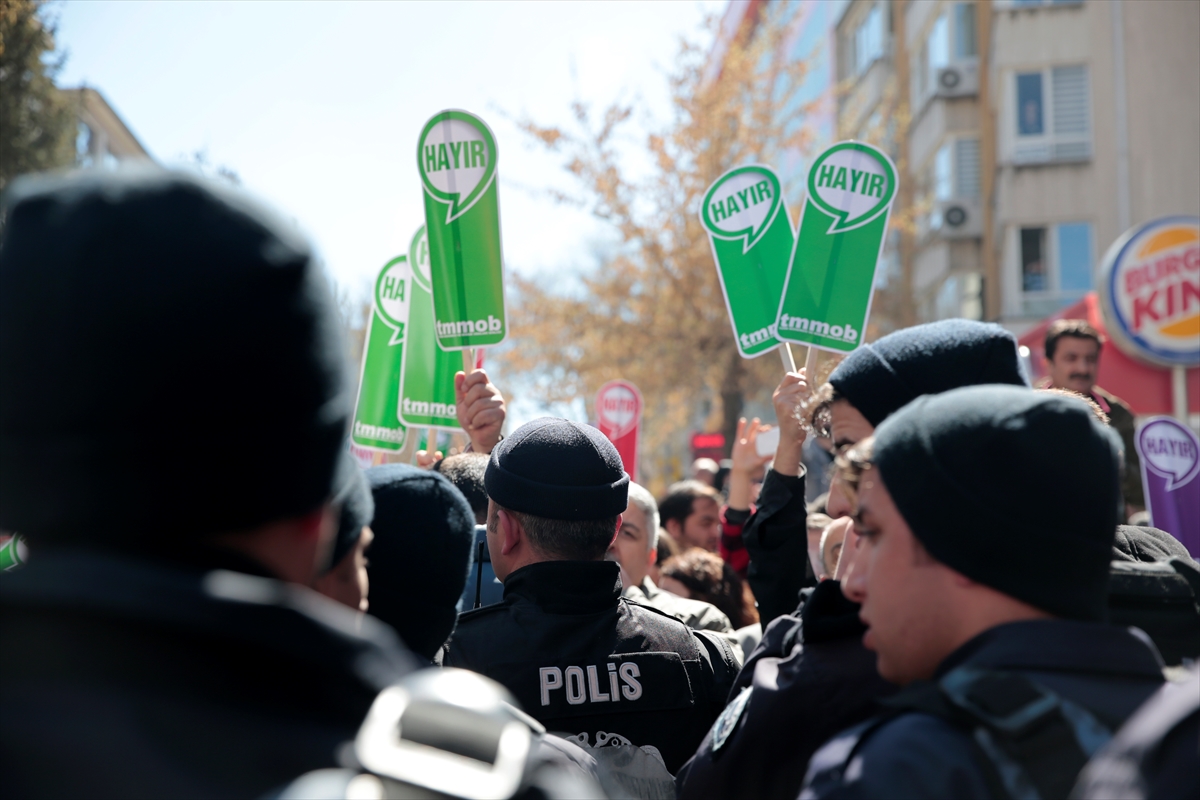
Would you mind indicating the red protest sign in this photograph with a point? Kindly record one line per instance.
(619, 417)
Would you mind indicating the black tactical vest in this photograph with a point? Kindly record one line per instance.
(583, 660)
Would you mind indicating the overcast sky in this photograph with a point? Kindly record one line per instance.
(317, 106)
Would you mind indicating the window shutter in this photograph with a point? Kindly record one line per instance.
(966, 168)
(1070, 117)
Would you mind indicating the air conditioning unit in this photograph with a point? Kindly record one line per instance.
(960, 79)
(961, 219)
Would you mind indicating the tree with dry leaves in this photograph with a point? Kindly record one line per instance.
(37, 122)
(652, 311)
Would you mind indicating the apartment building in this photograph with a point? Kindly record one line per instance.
(103, 140)
(1030, 134)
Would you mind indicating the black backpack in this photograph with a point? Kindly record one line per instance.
(1160, 597)
(1031, 742)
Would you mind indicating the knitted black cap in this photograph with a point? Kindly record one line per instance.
(171, 361)
(558, 469)
(969, 469)
(356, 509)
(424, 529)
(880, 378)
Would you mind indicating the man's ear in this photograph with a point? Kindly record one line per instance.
(511, 532)
(653, 556)
(617, 529)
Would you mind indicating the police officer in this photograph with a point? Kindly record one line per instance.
(173, 408)
(872, 382)
(578, 656)
(810, 676)
(1012, 680)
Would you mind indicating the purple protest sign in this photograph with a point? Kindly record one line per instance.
(1170, 455)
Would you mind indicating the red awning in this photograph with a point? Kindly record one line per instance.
(1146, 389)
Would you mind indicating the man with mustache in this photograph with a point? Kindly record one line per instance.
(1072, 363)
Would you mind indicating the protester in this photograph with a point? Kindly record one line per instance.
(832, 539)
(636, 548)
(579, 657)
(979, 633)
(424, 530)
(1072, 359)
(746, 472)
(162, 641)
(691, 515)
(345, 579)
(700, 575)
(872, 382)
(1154, 585)
(811, 664)
(480, 408)
(466, 471)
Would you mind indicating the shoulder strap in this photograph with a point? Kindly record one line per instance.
(1033, 742)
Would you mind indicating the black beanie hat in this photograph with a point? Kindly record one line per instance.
(970, 468)
(356, 509)
(159, 334)
(879, 378)
(424, 530)
(558, 469)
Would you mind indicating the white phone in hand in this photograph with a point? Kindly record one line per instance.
(767, 442)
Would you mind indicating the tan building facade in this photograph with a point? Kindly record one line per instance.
(1036, 132)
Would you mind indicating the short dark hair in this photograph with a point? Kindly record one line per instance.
(1076, 328)
(466, 471)
(568, 539)
(677, 504)
(708, 578)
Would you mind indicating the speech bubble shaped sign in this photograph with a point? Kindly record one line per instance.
(456, 156)
(392, 294)
(418, 259)
(852, 182)
(1170, 450)
(742, 203)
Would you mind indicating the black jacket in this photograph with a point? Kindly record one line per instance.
(1108, 671)
(809, 678)
(583, 659)
(126, 677)
(777, 541)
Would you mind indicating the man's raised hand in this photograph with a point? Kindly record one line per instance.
(480, 409)
(791, 392)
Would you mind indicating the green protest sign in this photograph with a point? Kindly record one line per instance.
(751, 239)
(831, 278)
(427, 375)
(456, 156)
(377, 423)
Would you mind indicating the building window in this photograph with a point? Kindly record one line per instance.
(1056, 265)
(1033, 259)
(964, 31)
(966, 167)
(869, 40)
(959, 296)
(950, 40)
(1051, 114)
(954, 175)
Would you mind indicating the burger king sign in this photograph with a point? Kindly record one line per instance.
(1150, 291)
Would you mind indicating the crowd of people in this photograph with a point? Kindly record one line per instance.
(217, 602)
